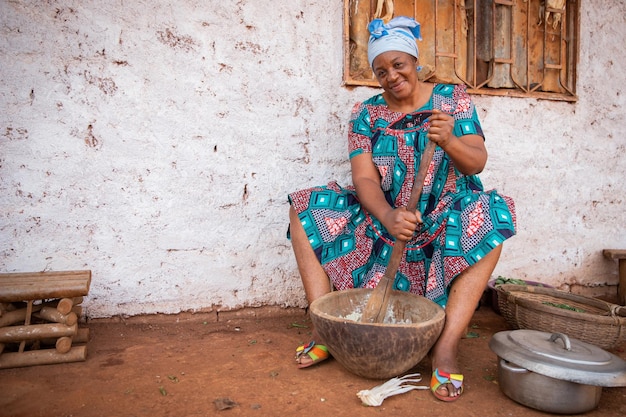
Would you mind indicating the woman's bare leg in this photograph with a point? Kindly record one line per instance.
(464, 296)
(314, 278)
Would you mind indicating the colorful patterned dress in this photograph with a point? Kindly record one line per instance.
(462, 222)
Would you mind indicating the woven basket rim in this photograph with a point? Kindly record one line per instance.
(516, 294)
(605, 327)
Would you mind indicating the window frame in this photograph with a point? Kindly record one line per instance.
(563, 69)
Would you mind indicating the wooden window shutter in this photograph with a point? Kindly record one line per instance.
(525, 48)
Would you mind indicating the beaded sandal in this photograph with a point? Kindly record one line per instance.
(317, 354)
(440, 378)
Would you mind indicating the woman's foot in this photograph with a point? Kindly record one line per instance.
(311, 354)
(446, 386)
(446, 383)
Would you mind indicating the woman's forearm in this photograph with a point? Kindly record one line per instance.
(468, 153)
(372, 198)
(366, 179)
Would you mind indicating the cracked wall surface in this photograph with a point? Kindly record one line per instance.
(155, 143)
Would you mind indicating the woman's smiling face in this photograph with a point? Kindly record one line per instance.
(397, 73)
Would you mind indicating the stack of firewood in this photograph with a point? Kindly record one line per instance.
(39, 318)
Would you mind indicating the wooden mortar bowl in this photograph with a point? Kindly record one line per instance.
(411, 326)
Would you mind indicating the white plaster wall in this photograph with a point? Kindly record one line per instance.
(154, 143)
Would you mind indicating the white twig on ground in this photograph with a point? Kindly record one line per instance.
(376, 396)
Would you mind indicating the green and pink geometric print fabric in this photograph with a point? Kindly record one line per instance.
(462, 222)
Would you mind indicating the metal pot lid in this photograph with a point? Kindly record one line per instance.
(557, 356)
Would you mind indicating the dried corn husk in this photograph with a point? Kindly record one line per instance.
(375, 396)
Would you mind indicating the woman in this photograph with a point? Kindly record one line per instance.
(454, 240)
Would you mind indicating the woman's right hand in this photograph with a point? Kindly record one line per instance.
(401, 223)
(366, 178)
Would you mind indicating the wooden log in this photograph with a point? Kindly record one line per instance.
(63, 344)
(71, 319)
(16, 316)
(78, 310)
(29, 312)
(14, 334)
(4, 307)
(620, 255)
(43, 285)
(81, 336)
(42, 357)
(64, 306)
(621, 289)
(53, 315)
(13, 317)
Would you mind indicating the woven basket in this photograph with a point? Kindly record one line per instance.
(600, 323)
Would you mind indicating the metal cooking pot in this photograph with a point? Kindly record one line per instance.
(553, 373)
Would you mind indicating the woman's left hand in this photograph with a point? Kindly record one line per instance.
(467, 152)
(441, 126)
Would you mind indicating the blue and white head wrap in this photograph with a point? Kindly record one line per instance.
(399, 34)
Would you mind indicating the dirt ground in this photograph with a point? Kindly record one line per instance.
(242, 364)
